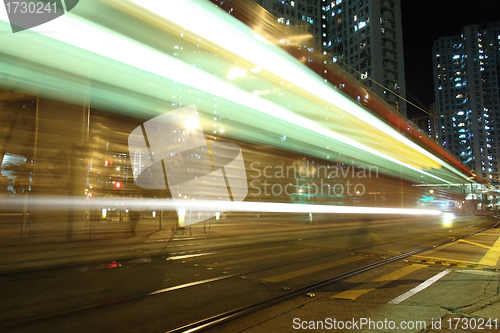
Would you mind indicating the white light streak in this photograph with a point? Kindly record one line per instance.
(55, 203)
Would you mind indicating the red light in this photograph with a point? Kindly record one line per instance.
(118, 184)
(113, 264)
(106, 163)
(90, 195)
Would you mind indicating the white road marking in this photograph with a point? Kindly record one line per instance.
(419, 288)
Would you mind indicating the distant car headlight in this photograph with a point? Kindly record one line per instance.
(448, 218)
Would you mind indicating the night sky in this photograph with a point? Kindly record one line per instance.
(424, 21)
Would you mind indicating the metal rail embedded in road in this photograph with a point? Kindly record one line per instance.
(243, 311)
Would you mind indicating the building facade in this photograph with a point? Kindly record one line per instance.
(428, 124)
(365, 37)
(466, 81)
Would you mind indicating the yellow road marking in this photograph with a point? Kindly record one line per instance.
(399, 273)
(309, 270)
(232, 262)
(473, 243)
(491, 257)
(363, 289)
(352, 294)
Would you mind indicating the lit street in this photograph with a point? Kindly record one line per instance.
(235, 265)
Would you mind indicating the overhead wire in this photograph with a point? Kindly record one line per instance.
(404, 99)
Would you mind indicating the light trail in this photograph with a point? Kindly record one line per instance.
(207, 23)
(235, 37)
(54, 203)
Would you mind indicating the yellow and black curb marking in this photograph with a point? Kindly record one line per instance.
(450, 263)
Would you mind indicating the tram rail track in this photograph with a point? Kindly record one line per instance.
(246, 310)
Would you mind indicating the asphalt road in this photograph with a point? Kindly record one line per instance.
(171, 284)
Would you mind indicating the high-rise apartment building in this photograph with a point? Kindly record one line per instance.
(428, 124)
(466, 80)
(365, 37)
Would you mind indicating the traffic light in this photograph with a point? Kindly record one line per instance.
(118, 184)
